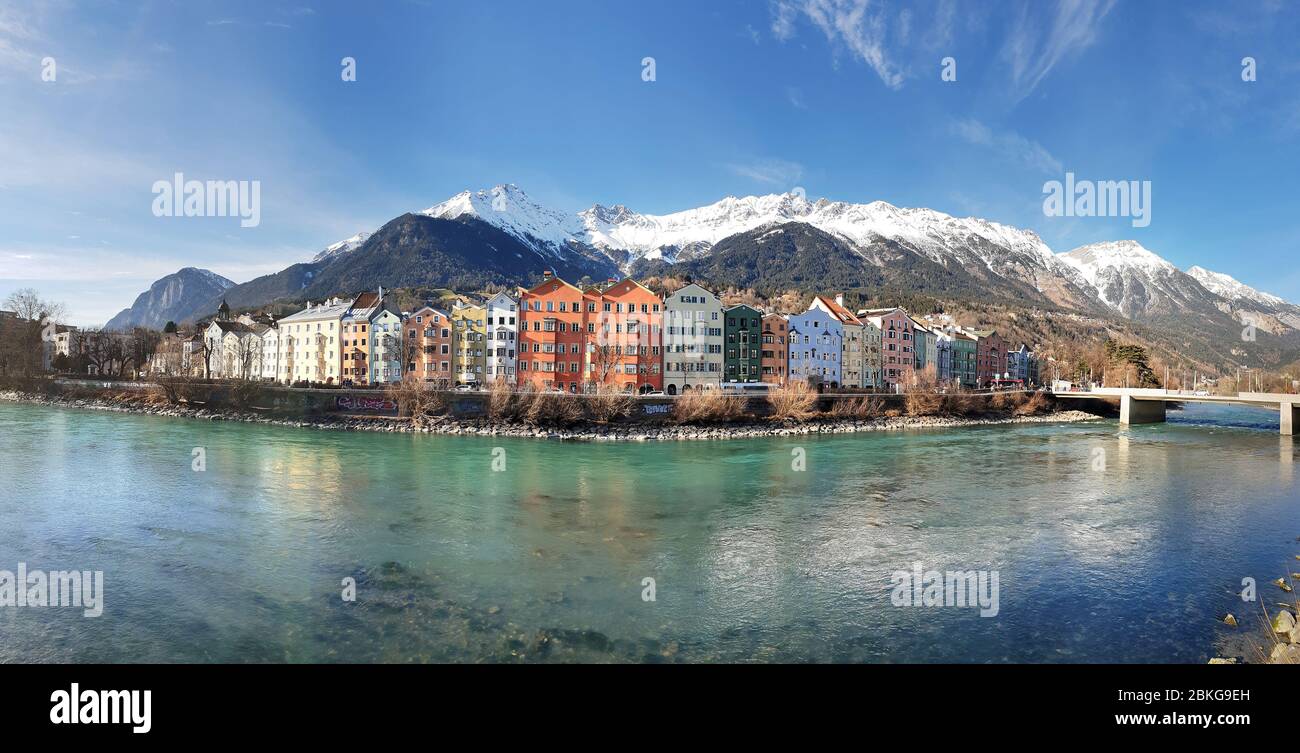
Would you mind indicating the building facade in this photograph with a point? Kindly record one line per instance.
(853, 363)
(964, 371)
(990, 356)
(624, 328)
(469, 343)
(427, 342)
(1022, 364)
(743, 352)
(816, 342)
(502, 344)
(693, 340)
(897, 346)
(552, 336)
(775, 356)
(309, 349)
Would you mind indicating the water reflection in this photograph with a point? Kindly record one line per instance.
(755, 556)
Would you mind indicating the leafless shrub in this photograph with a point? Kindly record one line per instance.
(922, 403)
(416, 401)
(242, 394)
(866, 406)
(1035, 404)
(503, 401)
(609, 403)
(176, 389)
(793, 402)
(960, 404)
(553, 409)
(702, 406)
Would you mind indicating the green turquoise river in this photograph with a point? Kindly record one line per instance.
(1110, 543)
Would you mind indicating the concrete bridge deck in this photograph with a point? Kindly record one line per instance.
(1147, 406)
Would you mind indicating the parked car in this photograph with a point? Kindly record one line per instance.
(464, 388)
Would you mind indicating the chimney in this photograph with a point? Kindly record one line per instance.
(546, 275)
(839, 299)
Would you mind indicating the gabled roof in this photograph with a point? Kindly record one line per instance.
(626, 285)
(427, 307)
(501, 294)
(839, 312)
(229, 326)
(693, 285)
(550, 286)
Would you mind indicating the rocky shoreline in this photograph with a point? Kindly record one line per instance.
(591, 432)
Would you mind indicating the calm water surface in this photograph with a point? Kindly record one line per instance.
(544, 561)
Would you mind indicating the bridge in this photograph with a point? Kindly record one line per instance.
(1147, 406)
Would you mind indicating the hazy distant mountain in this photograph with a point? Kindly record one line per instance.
(174, 298)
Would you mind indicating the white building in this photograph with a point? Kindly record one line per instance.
(309, 345)
(502, 332)
(234, 350)
(693, 340)
(270, 352)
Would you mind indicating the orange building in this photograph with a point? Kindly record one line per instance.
(428, 345)
(552, 336)
(624, 330)
(775, 355)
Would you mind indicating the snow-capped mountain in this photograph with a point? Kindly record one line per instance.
(776, 243)
(627, 237)
(342, 247)
(509, 208)
(1231, 289)
(1137, 282)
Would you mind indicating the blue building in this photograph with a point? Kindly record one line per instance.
(816, 342)
(1022, 364)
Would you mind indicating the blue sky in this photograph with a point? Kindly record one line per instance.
(842, 98)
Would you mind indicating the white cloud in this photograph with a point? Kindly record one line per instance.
(1035, 45)
(1009, 145)
(770, 171)
(853, 24)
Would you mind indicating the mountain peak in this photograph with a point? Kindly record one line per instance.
(1228, 287)
(1116, 254)
(342, 247)
(507, 207)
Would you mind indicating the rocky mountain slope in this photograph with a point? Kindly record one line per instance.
(174, 298)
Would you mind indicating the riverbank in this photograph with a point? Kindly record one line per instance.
(591, 432)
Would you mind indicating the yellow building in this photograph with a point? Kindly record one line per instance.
(469, 344)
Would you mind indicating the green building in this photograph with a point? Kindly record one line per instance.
(964, 367)
(743, 332)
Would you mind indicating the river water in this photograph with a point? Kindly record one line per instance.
(1110, 543)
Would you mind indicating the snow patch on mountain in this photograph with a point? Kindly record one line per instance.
(1228, 287)
(510, 209)
(342, 247)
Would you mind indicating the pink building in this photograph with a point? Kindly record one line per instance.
(990, 356)
(897, 344)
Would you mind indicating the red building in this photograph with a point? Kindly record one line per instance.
(624, 329)
(775, 357)
(990, 356)
(552, 336)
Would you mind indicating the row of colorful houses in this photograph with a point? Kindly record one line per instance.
(557, 336)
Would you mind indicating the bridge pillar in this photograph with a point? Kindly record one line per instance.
(1132, 411)
(1288, 418)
